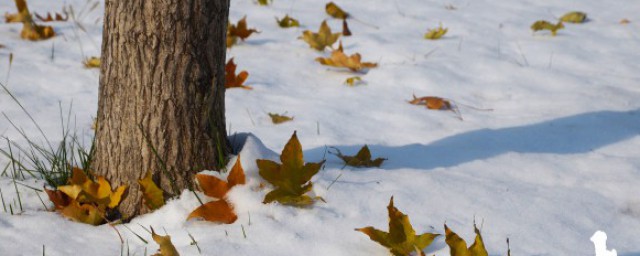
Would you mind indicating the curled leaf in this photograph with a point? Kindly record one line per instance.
(545, 25)
(153, 196)
(232, 80)
(60, 200)
(278, 119)
(335, 11)
(458, 246)
(345, 28)
(401, 238)
(291, 178)
(436, 33)
(166, 247)
(352, 81)
(322, 39)
(574, 17)
(50, 18)
(435, 103)
(341, 60)
(361, 159)
(92, 62)
(287, 22)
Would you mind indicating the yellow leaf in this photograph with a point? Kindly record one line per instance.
(278, 119)
(287, 22)
(322, 39)
(264, 2)
(436, 33)
(85, 213)
(574, 17)
(458, 246)
(335, 11)
(92, 62)
(291, 178)
(362, 159)
(545, 25)
(166, 247)
(30, 30)
(215, 211)
(352, 81)
(341, 60)
(401, 238)
(153, 196)
(232, 80)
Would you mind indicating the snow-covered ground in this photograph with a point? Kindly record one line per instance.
(557, 159)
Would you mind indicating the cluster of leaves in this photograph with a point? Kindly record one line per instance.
(570, 17)
(402, 240)
(30, 30)
(361, 159)
(85, 200)
(219, 210)
(291, 178)
(240, 30)
(232, 80)
(341, 60)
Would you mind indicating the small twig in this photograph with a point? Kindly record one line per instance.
(522, 54)
(334, 181)
(194, 242)
(243, 232)
(250, 117)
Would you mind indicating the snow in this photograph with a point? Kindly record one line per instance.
(555, 161)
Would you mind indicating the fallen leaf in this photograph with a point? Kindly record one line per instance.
(322, 39)
(2, 46)
(50, 18)
(240, 30)
(232, 80)
(84, 190)
(335, 11)
(30, 30)
(287, 22)
(436, 33)
(92, 62)
(341, 60)
(362, 159)
(264, 2)
(545, 25)
(85, 213)
(166, 247)
(401, 238)
(345, 28)
(153, 196)
(352, 81)
(435, 103)
(291, 178)
(13, 18)
(214, 187)
(60, 200)
(574, 17)
(458, 246)
(215, 211)
(278, 119)
(625, 21)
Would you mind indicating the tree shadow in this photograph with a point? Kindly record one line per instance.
(568, 135)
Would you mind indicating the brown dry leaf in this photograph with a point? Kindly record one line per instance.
(341, 60)
(30, 30)
(217, 188)
(624, 21)
(215, 211)
(240, 30)
(458, 246)
(335, 11)
(322, 39)
(50, 18)
(60, 200)
(345, 28)
(232, 80)
(545, 25)
(92, 62)
(401, 238)
(362, 159)
(291, 178)
(287, 22)
(13, 18)
(436, 103)
(278, 119)
(166, 247)
(2, 46)
(153, 196)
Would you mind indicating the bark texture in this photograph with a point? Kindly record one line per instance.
(161, 96)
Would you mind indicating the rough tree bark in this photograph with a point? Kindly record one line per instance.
(161, 90)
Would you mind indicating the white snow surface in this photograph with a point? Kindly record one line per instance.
(557, 159)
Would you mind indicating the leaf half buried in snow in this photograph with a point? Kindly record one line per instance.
(458, 246)
(166, 247)
(92, 62)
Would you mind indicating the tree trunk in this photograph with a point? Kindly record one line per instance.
(161, 96)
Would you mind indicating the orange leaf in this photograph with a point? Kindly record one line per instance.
(432, 102)
(215, 187)
(238, 31)
(215, 211)
(85, 213)
(339, 59)
(60, 200)
(232, 80)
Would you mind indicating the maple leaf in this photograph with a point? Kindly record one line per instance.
(166, 247)
(153, 196)
(545, 25)
(287, 22)
(30, 30)
(340, 59)
(362, 159)
(278, 119)
(240, 30)
(574, 17)
(50, 18)
(232, 80)
(345, 28)
(322, 39)
(436, 33)
(85, 213)
(219, 210)
(401, 238)
(92, 62)
(458, 246)
(335, 11)
(292, 178)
